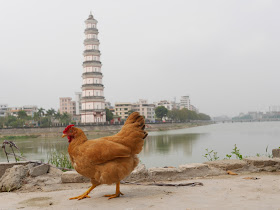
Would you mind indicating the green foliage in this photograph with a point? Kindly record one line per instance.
(228, 156)
(109, 115)
(22, 115)
(161, 112)
(267, 154)
(65, 118)
(184, 115)
(60, 160)
(236, 152)
(18, 137)
(211, 155)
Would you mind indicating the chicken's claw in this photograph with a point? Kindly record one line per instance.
(114, 195)
(80, 197)
(117, 194)
(84, 195)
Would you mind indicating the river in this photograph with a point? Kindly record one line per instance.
(176, 147)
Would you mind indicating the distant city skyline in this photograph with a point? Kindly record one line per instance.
(224, 55)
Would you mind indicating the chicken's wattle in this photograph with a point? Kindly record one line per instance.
(69, 138)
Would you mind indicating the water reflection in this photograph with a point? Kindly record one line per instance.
(167, 143)
(169, 150)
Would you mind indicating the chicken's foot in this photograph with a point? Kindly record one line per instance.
(117, 194)
(84, 195)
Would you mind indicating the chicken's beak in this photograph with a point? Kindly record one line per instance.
(63, 135)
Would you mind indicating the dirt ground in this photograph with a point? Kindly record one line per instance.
(220, 192)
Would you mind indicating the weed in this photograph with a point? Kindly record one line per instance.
(211, 155)
(228, 156)
(60, 160)
(236, 152)
(267, 153)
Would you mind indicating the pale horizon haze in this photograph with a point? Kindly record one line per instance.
(223, 54)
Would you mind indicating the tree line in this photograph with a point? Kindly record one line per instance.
(179, 115)
(41, 118)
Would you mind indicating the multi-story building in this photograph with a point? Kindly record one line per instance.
(3, 110)
(67, 105)
(167, 104)
(93, 101)
(145, 109)
(185, 102)
(29, 109)
(78, 97)
(122, 109)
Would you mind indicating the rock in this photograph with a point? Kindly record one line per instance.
(276, 153)
(39, 170)
(262, 161)
(5, 166)
(199, 170)
(13, 178)
(227, 164)
(140, 173)
(73, 177)
(55, 171)
(157, 174)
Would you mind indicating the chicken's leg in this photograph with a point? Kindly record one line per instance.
(117, 194)
(85, 195)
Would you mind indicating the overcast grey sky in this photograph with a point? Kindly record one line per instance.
(224, 54)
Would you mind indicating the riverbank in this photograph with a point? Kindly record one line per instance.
(94, 129)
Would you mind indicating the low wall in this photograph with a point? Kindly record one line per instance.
(56, 131)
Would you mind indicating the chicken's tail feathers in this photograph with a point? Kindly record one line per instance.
(133, 132)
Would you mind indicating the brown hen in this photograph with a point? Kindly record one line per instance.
(109, 159)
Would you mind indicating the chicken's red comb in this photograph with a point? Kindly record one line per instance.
(67, 128)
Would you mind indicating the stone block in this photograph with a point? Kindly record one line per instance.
(13, 178)
(262, 161)
(73, 177)
(39, 170)
(5, 166)
(157, 174)
(227, 164)
(276, 153)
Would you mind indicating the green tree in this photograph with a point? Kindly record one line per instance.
(161, 112)
(65, 118)
(50, 114)
(202, 116)
(22, 115)
(39, 115)
(109, 115)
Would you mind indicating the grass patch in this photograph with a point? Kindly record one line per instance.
(60, 160)
(18, 137)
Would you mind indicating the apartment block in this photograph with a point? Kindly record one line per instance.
(145, 109)
(67, 105)
(3, 110)
(29, 109)
(122, 108)
(167, 104)
(185, 102)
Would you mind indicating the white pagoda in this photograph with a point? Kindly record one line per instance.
(93, 101)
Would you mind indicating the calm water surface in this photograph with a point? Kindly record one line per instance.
(176, 147)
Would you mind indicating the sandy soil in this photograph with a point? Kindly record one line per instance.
(221, 192)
